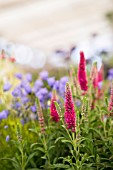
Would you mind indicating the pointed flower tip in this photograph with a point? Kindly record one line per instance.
(81, 54)
(67, 87)
(67, 84)
(95, 63)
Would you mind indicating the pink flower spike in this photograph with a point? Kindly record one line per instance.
(101, 74)
(12, 59)
(54, 113)
(2, 56)
(82, 78)
(110, 108)
(69, 115)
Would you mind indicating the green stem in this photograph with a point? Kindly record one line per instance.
(46, 152)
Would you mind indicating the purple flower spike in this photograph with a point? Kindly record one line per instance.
(18, 76)
(44, 75)
(7, 138)
(51, 81)
(7, 86)
(29, 77)
(4, 114)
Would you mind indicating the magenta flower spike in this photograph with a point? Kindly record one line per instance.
(69, 115)
(54, 113)
(110, 108)
(82, 78)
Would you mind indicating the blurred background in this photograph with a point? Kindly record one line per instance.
(50, 33)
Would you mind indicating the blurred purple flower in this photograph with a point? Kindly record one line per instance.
(16, 92)
(51, 81)
(7, 86)
(4, 114)
(7, 138)
(56, 85)
(29, 77)
(78, 103)
(37, 85)
(64, 80)
(110, 71)
(18, 75)
(100, 85)
(22, 121)
(23, 93)
(62, 90)
(17, 105)
(110, 74)
(44, 75)
(28, 89)
(49, 94)
(6, 126)
(25, 100)
(33, 116)
(43, 91)
(110, 77)
(33, 108)
(40, 96)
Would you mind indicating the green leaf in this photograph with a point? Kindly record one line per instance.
(59, 138)
(106, 101)
(34, 169)
(100, 134)
(34, 144)
(58, 108)
(30, 157)
(66, 141)
(40, 149)
(14, 162)
(51, 147)
(61, 166)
